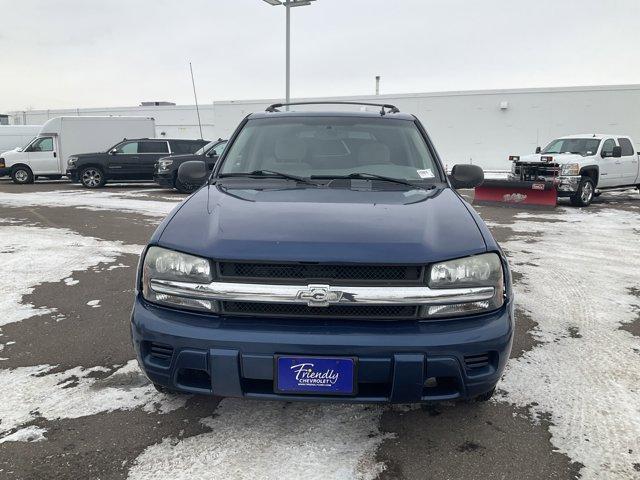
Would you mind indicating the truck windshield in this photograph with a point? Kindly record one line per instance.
(581, 146)
(332, 146)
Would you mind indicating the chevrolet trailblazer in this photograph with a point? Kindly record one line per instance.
(328, 257)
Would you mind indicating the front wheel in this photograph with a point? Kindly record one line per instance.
(184, 188)
(92, 177)
(584, 194)
(22, 175)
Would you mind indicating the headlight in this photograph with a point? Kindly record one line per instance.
(163, 165)
(477, 271)
(571, 169)
(72, 161)
(168, 265)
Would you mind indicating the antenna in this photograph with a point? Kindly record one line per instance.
(196, 98)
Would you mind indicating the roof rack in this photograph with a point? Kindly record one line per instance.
(391, 108)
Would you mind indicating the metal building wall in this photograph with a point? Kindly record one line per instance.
(482, 127)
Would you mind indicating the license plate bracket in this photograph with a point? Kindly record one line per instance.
(315, 375)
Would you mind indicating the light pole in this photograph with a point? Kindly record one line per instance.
(288, 5)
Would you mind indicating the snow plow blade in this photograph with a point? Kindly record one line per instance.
(517, 193)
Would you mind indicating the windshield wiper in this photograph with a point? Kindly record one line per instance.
(369, 176)
(268, 173)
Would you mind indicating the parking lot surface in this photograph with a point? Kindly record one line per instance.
(75, 405)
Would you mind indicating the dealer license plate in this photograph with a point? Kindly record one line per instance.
(315, 375)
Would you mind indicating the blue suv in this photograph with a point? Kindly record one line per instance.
(328, 258)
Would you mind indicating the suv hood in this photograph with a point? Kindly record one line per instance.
(560, 158)
(324, 225)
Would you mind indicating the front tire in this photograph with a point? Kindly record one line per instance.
(92, 177)
(182, 188)
(585, 193)
(165, 390)
(485, 397)
(22, 175)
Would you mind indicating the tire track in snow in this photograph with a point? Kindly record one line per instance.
(586, 372)
(272, 441)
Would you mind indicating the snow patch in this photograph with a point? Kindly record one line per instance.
(272, 441)
(28, 434)
(71, 281)
(585, 374)
(94, 303)
(88, 200)
(34, 255)
(31, 392)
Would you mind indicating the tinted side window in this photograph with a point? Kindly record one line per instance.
(627, 147)
(186, 146)
(153, 147)
(608, 145)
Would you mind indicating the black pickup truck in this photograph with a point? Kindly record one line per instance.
(166, 169)
(131, 159)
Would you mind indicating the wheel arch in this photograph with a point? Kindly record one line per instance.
(17, 165)
(591, 171)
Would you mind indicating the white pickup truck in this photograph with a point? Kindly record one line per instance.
(582, 166)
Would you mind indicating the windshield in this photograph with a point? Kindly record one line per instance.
(206, 148)
(581, 146)
(332, 146)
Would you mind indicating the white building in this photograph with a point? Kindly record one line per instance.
(482, 127)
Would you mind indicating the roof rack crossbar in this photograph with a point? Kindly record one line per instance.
(391, 108)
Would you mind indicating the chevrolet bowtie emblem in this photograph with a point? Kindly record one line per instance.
(319, 295)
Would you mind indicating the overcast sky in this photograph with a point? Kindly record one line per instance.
(84, 53)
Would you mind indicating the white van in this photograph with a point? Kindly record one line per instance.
(16, 136)
(61, 137)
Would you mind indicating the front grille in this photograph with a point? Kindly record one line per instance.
(373, 312)
(533, 171)
(277, 272)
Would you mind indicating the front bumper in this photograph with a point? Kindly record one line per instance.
(164, 179)
(399, 362)
(567, 184)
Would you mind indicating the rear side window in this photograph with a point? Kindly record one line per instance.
(627, 147)
(186, 146)
(153, 147)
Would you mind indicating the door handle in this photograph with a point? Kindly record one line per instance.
(54, 155)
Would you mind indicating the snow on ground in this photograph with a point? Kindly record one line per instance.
(28, 434)
(31, 255)
(90, 200)
(577, 285)
(30, 392)
(272, 441)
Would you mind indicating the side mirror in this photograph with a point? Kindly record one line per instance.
(193, 173)
(466, 176)
(113, 151)
(617, 152)
(538, 149)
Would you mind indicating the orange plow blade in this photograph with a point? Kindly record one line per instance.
(517, 193)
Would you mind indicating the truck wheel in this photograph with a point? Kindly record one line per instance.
(182, 188)
(584, 194)
(92, 177)
(22, 175)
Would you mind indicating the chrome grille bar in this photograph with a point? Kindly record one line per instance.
(322, 295)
